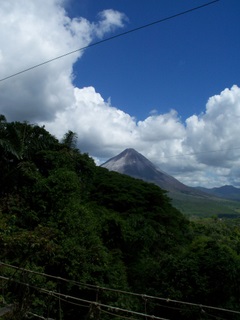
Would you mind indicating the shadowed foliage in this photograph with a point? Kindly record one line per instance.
(62, 215)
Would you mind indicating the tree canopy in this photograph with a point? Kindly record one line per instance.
(71, 228)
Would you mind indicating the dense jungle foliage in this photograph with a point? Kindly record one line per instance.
(102, 235)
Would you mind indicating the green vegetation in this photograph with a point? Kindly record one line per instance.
(100, 234)
(197, 206)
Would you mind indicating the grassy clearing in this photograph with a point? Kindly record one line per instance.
(200, 206)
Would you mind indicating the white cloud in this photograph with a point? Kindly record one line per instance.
(101, 128)
(109, 21)
(214, 134)
(202, 151)
(32, 32)
(161, 127)
(104, 131)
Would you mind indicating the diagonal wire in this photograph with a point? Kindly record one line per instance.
(110, 38)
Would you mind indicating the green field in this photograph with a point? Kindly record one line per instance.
(205, 206)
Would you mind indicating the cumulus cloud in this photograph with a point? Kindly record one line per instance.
(213, 134)
(32, 32)
(104, 130)
(109, 21)
(203, 150)
(101, 128)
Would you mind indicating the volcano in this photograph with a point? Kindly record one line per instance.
(190, 201)
(134, 164)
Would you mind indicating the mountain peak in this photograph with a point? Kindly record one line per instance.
(129, 162)
(129, 152)
(134, 164)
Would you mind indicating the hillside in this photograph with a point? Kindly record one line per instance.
(134, 164)
(81, 242)
(189, 200)
(226, 192)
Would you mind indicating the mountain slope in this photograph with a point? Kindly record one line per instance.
(134, 164)
(188, 200)
(226, 192)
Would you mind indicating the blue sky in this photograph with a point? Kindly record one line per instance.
(171, 91)
(177, 64)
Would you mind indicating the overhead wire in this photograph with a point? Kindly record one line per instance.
(117, 315)
(144, 296)
(110, 38)
(36, 315)
(57, 295)
(213, 316)
(120, 35)
(70, 302)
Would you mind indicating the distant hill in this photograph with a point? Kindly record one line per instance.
(226, 192)
(189, 200)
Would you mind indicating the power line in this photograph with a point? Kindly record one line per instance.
(117, 315)
(144, 296)
(97, 304)
(36, 315)
(111, 38)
